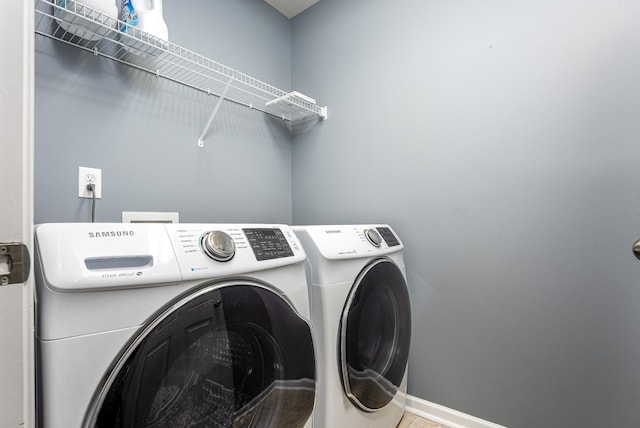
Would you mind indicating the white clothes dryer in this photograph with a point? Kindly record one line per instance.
(172, 325)
(361, 322)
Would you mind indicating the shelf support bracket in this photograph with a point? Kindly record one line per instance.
(214, 112)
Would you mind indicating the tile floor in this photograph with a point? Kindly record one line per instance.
(409, 420)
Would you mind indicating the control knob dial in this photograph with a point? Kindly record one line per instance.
(218, 245)
(373, 237)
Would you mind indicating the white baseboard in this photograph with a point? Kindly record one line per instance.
(444, 415)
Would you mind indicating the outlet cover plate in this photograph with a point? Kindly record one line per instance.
(86, 176)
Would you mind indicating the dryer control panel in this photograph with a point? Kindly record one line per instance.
(352, 241)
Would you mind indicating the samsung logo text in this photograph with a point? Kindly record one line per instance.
(111, 234)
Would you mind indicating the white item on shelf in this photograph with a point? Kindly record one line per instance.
(90, 20)
(145, 16)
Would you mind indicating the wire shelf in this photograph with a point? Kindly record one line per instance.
(88, 29)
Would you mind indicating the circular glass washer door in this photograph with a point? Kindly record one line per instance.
(375, 334)
(230, 355)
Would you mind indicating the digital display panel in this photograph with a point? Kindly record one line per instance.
(388, 236)
(268, 244)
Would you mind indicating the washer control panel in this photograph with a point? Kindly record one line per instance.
(208, 250)
(268, 243)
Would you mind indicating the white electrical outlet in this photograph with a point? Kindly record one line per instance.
(88, 176)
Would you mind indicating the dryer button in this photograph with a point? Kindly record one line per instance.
(218, 245)
(373, 237)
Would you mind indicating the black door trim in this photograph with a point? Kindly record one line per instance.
(378, 382)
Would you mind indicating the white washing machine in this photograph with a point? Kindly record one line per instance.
(361, 321)
(176, 325)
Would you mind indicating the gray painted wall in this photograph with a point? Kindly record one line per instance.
(501, 141)
(142, 131)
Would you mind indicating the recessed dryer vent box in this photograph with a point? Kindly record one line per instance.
(150, 217)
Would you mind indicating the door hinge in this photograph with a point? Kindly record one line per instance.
(15, 263)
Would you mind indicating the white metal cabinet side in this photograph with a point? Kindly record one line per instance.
(17, 402)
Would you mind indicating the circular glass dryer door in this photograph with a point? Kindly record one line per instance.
(375, 332)
(230, 355)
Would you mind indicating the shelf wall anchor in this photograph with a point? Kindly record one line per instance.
(214, 112)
